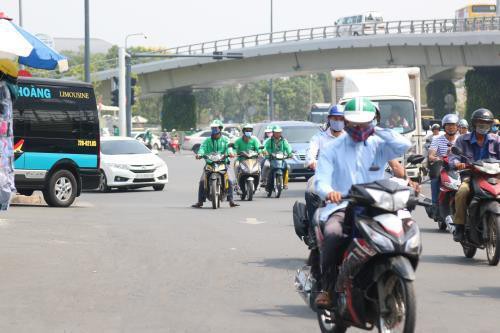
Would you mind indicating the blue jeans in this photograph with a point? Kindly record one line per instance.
(435, 190)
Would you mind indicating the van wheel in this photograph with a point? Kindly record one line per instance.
(61, 191)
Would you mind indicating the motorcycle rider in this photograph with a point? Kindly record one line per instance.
(264, 163)
(356, 158)
(220, 144)
(477, 145)
(275, 144)
(463, 127)
(441, 146)
(494, 128)
(246, 143)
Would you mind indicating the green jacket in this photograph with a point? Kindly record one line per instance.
(252, 145)
(220, 145)
(272, 147)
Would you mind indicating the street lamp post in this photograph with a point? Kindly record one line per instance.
(20, 13)
(271, 89)
(498, 7)
(87, 42)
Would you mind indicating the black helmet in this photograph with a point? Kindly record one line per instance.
(482, 114)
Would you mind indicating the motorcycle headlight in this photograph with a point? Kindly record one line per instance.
(413, 244)
(389, 202)
(380, 241)
(119, 166)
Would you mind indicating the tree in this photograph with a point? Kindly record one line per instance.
(482, 85)
(179, 110)
(436, 92)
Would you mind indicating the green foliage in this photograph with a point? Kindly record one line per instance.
(483, 87)
(436, 92)
(249, 102)
(179, 110)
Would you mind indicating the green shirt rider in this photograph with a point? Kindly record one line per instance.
(219, 144)
(275, 144)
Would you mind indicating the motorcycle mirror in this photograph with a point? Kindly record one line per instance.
(231, 145)
(416, 159)
(457, 151)
(261, 147)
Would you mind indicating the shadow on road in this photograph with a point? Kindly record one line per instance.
(452, 260)
(298, 311)
(489, 292)
(282, 263)
(434, 231)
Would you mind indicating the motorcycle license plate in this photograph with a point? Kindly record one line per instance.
(144, 175)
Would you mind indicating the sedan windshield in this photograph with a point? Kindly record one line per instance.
(299, 134)
(123, 147)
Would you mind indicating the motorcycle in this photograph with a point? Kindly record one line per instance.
(216, 178)
(450, 182)
(374, 282)
(248, 174)
(174, 145)
(482, 226)
(278, 171)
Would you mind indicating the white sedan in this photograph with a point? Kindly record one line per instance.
(127, 163)
(194, 141)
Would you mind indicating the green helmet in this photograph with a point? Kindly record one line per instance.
(247, 125)
(360, 110)
(269, 129)
(217, 123)
(277, 129)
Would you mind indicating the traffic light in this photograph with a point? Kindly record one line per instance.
(133, 82)
(115, 97)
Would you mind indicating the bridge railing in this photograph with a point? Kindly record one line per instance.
(412, 27)
(337, 31)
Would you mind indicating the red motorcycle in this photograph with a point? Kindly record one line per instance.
(174, 145)
(482, 227)
(450, 183)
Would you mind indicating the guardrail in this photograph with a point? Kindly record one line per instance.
(413, 27)
(336, 31)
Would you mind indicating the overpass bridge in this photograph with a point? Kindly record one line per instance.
(439, 47)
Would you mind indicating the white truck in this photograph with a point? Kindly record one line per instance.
(396, 91)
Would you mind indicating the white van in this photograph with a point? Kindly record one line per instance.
(358, 25)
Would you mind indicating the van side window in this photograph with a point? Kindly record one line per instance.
(359, 19)
(52, 124)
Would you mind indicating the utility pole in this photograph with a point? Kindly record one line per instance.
(20, 13)
(122, 93)
(271, 89)
(498, 8)
(128, 86)
(87, 43)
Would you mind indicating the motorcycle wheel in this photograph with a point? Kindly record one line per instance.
(493, 243)
(401, 302)
(326, 324)
(249, 189)
(214, 194)
(469, 251)
(278, 184)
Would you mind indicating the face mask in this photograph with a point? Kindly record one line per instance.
(248, 134)
(336, 125)
(215, 130)
(361, 134)
(483, 128)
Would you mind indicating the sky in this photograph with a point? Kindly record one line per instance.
(170, 23)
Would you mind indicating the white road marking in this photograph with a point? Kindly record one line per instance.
(4, 223)
(252, 220)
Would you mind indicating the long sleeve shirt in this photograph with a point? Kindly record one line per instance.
(240, 145)
(211, 145)
(317, 143)
(282, 145)
(470, 148)
(344, 162)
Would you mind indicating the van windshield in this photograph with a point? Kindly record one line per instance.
(398, 115)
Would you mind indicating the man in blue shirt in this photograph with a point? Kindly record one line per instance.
(356, 158)
(477, 145)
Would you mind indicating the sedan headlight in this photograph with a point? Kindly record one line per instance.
(389, 202)
(119, 166)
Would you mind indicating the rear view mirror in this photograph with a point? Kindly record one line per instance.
(261, 147)
(231, 145)
(416, 159)
(457, 151)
